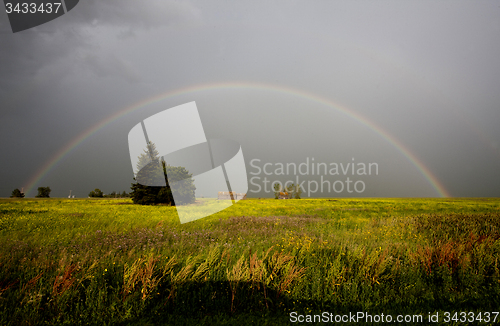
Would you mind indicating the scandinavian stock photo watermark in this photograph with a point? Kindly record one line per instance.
(342, 177)
(365, 317)
(176, 137)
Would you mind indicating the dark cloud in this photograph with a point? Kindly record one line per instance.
(26, 53)
(111, 66)
(426, 73)
(133, 14)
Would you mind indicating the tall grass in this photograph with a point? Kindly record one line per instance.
(110, 262)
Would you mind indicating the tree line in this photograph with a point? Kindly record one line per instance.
(43, 192)
(99, 194)
(152, 170)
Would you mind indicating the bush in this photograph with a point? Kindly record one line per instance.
(16, 193)
(43, 192)
(96, 193)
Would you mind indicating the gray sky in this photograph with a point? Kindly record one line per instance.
(425, 73)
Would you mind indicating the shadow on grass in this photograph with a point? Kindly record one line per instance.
(212, 303)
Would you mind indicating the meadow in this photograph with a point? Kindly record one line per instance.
(110, 262)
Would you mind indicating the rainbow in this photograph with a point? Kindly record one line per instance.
(49, 165)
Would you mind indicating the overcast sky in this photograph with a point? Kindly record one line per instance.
(386, 82)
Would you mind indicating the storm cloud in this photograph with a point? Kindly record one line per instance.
(410, 85)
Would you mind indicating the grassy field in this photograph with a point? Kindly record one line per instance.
(109, 262)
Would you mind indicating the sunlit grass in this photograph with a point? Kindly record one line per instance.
(107, 260)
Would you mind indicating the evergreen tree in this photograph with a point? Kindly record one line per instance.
(152, 184)
(150, 155)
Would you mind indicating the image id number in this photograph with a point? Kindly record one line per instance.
(470, 317)
(32, 8)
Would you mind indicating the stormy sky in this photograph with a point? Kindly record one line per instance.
(412, 86)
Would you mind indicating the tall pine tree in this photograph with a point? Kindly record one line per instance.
(152, 185)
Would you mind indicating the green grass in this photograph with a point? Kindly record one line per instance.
(109, 262)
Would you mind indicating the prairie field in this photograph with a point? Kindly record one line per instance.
(110, 262)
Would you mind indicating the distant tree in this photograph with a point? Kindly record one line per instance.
(298, 192)
(277, 189)
(96, 193)
(16, 193)
(152, 185)
(111, 195)
(115, 194)
(294, 191)
(43, 192)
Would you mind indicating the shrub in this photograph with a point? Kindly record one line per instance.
(43, 192)
(16, 193)
(96, 193)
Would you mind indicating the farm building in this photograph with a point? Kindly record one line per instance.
(228, 194)
(284, 195)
